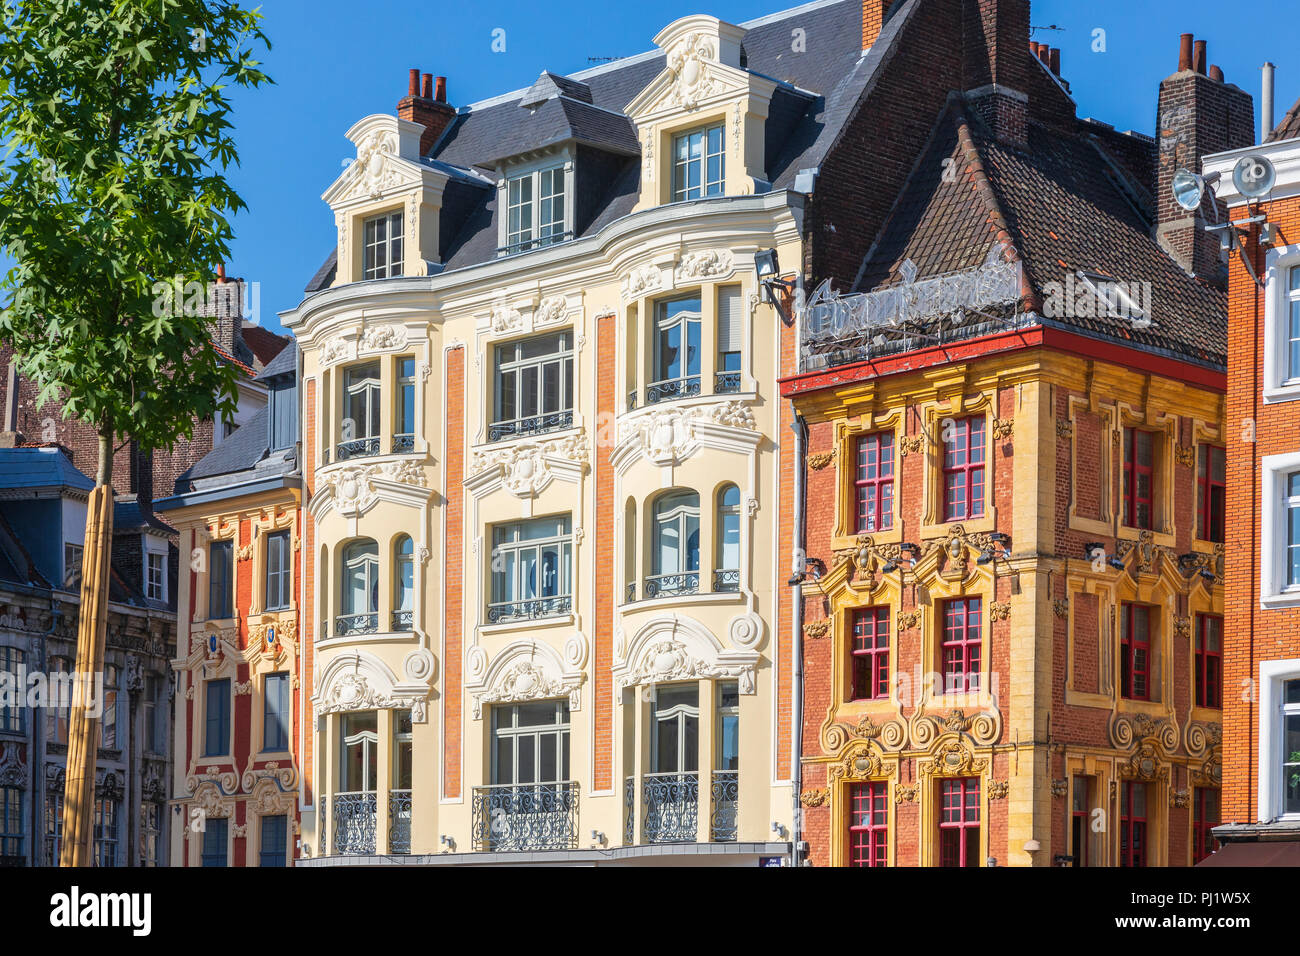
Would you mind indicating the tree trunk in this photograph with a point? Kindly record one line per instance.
(88, 686)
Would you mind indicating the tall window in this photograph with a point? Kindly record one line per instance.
(534, 386)
(1293, 328)
(1210, 493)
(275, 714)
(675, 729)
(403, 583)
(699, 164)
(676, 350)
(216, 730)
(360, 588)
(221, 568)
(730, 317)
(1133, 824)
(156, 576)
(383, 246)
(676, 546)
(72, 567)
(727, 722)
(1292, 504)
(403, 754)
(59, 711)
(1079, 820)
(1205, 817)
(535, 209)
(106, 831)
(961, 645)
(358, 773)
(273, 842)
(283, 401)
(1209, 661)
(871, 653)
(279, 570)
(532, 569)
(53, 826)
(361, 398)
(1139, 477)
(868, 824)
(531, 743)
(13, 683)
(1291, 747)
(959, 822)
(1135, 652)
(215, 830)
(404, 430)
(963, 469)
(726, 574)
(109, 720)
(154, 714)
(11, 823)
(873, 486)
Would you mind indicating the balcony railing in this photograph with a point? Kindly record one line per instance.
(503, 611)
(402, 620)
(671, 802)
(670, 585)
(403, 444)
(354, 823)
(726, 382)
(359, 448)
(531, 816)
(345, 625)
(631, 400)
(534, 425)
(726, 579)
(523, 245)
(726, 800)
(631, 592)
(399, 821)
(629, 812)
(672, 388)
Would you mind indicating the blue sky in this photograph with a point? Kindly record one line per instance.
(335, 62)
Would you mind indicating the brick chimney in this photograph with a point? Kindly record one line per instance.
(873, 18)
(998, 59)
(1196, 115)
(426, 106)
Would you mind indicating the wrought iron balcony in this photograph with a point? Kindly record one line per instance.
(403, 444)
(670, 585)
(629, 812)
(528, 816)
(724, 382)
(502, 611)
(345, 625)
(671, 803)
(401, 620)
(359, 448)
(631, 400)
(534, 425)
(672, 388)
(631, 592)
(354, 823)
(726, 800)
(726, 579)
(399, 821)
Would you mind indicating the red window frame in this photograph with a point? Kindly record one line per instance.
(873, 483)
(1132, 827)
(1209, 661)
(868, 824)
(1206, 815)
(871, 653)
(959, 822)
(961, 647)
(1080, 816)
(963, 470)
(1133, 473)
(1211, 493)
(1134, 654)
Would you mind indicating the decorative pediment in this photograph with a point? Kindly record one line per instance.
(352, 490)
(525, 670)
(953, 757)
(1127, 729)
(387, 162)
(524, 468)
(669, 435)
(702, 66)
(360, 681)
(679, 648)
(859, 762)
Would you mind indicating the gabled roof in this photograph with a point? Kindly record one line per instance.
(263, 343)
(1064, 205)
(40, 467)
(1289, 128)
(285, 363)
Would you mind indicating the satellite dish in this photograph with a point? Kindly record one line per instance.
(1253, 176)
(1188, 188)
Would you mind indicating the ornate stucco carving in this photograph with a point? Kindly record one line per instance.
(374, 169)
(668, 435)
(675, 647)
(525, 468)
(382, 338)
(552, 309)
(691, 60)
(816, 630)
(505, 317)
(641, 280)
(702, 265)
(814, 798)
(953, 758)
(352, 488)
(334, 350)
(526, 670)
(820, 460)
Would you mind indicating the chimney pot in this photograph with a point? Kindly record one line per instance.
(413, 83)
(1198, 57)
(221, 272)
(1054, 57)
(1184, 52)
(1216, 74)
(1043, 54)
(440, 89)
(426, 86)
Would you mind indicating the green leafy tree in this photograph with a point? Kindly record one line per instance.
(117, 121)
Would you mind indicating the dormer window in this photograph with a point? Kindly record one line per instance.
(383, 246)
(535, 209)
(699, 164)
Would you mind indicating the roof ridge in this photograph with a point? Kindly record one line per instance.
(985, 189)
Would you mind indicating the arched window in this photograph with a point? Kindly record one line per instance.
(360, 580)
(676, 546)
(726, 572)
(403, 583)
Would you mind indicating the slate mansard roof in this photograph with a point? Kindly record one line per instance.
(817, 89)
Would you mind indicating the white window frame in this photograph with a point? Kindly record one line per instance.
(562, 417)
(69, 547)
(549, 605)
(1273, 515)
(1271, 786)
(1277, 316)
(149, 553)
(681, 191)
(507, 241)
(393, 263)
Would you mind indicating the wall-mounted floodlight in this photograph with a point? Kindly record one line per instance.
(1189, 188)
(768, 270)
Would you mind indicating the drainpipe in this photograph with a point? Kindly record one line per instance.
(796, 643)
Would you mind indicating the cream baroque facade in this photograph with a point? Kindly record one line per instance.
(652, 632)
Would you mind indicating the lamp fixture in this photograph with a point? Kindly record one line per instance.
(767, 269)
